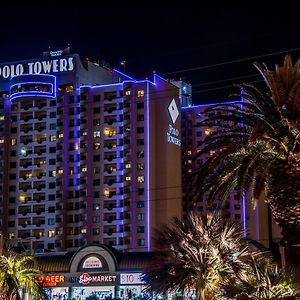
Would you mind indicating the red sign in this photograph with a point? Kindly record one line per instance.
(52, 280)
(86, 278)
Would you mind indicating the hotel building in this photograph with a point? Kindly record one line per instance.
(257, 223)
(87, 155)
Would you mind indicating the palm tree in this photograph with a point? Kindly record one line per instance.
(256, 143)
(19, 274)
(196, 254)
(262, 281)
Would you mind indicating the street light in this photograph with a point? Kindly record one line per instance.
(123, 64)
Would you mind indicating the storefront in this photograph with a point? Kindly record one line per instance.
(93, 272)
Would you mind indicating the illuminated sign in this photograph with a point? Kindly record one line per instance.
(37, 67)
(173, 132)
(52, 280)
(131, 278)
(86, 278)
(92, 262)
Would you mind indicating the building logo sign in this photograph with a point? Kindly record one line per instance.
(173, 132)
(92, 262)
(173, 111)
(86, 278)
(50, 66)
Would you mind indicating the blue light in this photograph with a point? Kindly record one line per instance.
(148, 171)
(123, 74)
(210, 104)
(17, 81)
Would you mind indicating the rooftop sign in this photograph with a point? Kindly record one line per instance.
(49, 66)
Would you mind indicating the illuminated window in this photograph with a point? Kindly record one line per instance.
(1, 141)
(140, 93)
(22, 198)
(60, 171)
(128, 178)
(141, 242)
(53, 173)
(189, 161)
(127, 92)
(212, 152)
(96, 206)
(127, 166)
(13, 142)
(51, 233)
(52, 138)
(11, 235)
(140, 166)
(77, 146)
(1, 118)
(106, 192)
(140, 217)
(140, 179)
(83, 169)
(97, 134)
(96, 146)
(189, 152)
(207, 131)
(84, 133)
(190, 170)
(83, 230)
(60, 135)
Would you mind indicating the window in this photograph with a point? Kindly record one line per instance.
(140, 105)
(52, 114)
(140, 142)
(96, 110)
(96, 219)
(52, 138)
(97, 134)
(140, 93)
(51, 221)
(140, 204)
(51, 209)
(51, 185)
(140, 118)
(51, 197)
(96, 231)
(96, 206)
(141, 242)
(53, 126)
(140, 179)
(52, 161)
(140, 217)
(52, 150)
(140, 154)
(51, 233)
(140, 229)
(140, 130)
(140, 166)
(97, 98)
(141, 191)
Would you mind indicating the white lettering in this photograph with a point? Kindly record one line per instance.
(30, 66)
(55, 65)
(6, 72)
(71, 64)
(63, 65)
(37, 67)
(47, 66)
(19, 69)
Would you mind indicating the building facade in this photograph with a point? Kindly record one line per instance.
(87, 155)
(257, 223)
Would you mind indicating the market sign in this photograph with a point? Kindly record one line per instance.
(86, 278)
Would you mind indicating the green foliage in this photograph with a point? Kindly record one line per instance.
(19, 274)
(197, 253)
(254, 140)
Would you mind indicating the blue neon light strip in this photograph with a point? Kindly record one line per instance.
(123, 74)
(148, 170)
(210, 104)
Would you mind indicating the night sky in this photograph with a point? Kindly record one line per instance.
(153, 36)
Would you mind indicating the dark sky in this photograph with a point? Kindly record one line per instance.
(163, 36)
